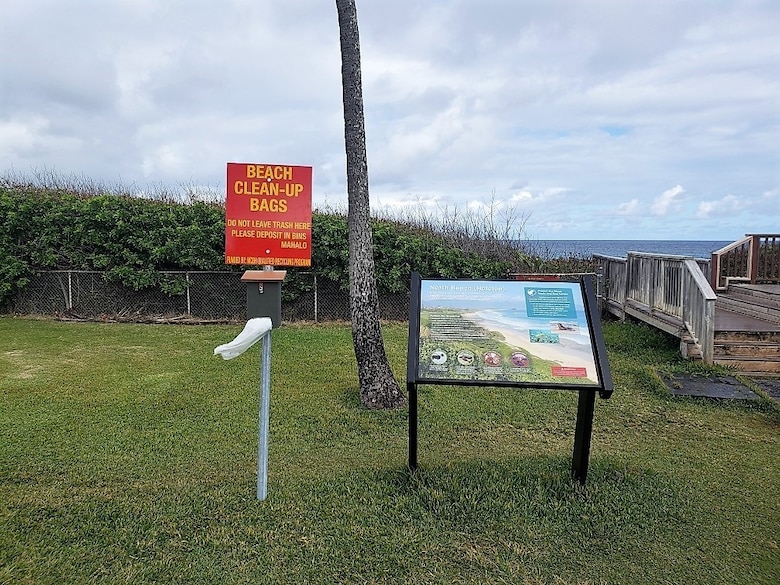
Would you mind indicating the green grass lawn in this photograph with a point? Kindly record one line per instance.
(128, 454)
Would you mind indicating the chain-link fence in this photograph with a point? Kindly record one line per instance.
(193, 296)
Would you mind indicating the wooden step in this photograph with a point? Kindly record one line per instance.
(764, 292)
(753, 353)
(750, 356)
(763, 336)
(750, 349)
(750, 305)
(750, 366)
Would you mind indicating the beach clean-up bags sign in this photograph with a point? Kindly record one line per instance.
(268, 215)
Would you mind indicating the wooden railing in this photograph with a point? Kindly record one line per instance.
(754, 259)
(699, 309)
(611, 283)
(654, 280)
(670, 292)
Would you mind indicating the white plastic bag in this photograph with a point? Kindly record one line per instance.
(252, 333)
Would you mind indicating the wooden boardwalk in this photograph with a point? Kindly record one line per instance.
(725, 310)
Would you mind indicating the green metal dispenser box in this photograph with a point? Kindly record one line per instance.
(264, 294)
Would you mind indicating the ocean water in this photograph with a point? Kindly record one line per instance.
(619, 248)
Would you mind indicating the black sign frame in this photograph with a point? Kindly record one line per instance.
(587, 390)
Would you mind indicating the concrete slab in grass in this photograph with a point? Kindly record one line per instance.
(769, 385)
(710, 386)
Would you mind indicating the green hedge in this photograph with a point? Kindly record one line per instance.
(134, 240)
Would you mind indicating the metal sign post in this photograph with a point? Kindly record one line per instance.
(255, 330)
(263, 421)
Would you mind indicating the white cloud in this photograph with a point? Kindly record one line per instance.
(615, 100)
(28, 136)
(22, 134)
(628, 208)
(667, 201)
(541, 197)
(725, 206)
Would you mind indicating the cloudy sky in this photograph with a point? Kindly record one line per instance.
(591, 119)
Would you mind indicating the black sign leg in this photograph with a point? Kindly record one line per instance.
(582, 434)
(411, 389)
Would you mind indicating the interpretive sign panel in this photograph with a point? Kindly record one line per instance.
(506, 333)
(268, 215)
(535, 333)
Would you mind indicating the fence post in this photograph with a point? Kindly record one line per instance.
(70, 290)
(189, 306)
(316, 301)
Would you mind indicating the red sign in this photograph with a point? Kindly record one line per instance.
(569, 372)
(268, 215)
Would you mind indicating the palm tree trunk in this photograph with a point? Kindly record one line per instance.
(378, 386)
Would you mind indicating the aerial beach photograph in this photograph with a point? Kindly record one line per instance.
(545, 321)
(567, 350)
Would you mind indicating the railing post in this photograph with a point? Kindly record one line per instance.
(715, 270)
(708, 335)
(753, 258)
(656, 277)
(600, 286)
